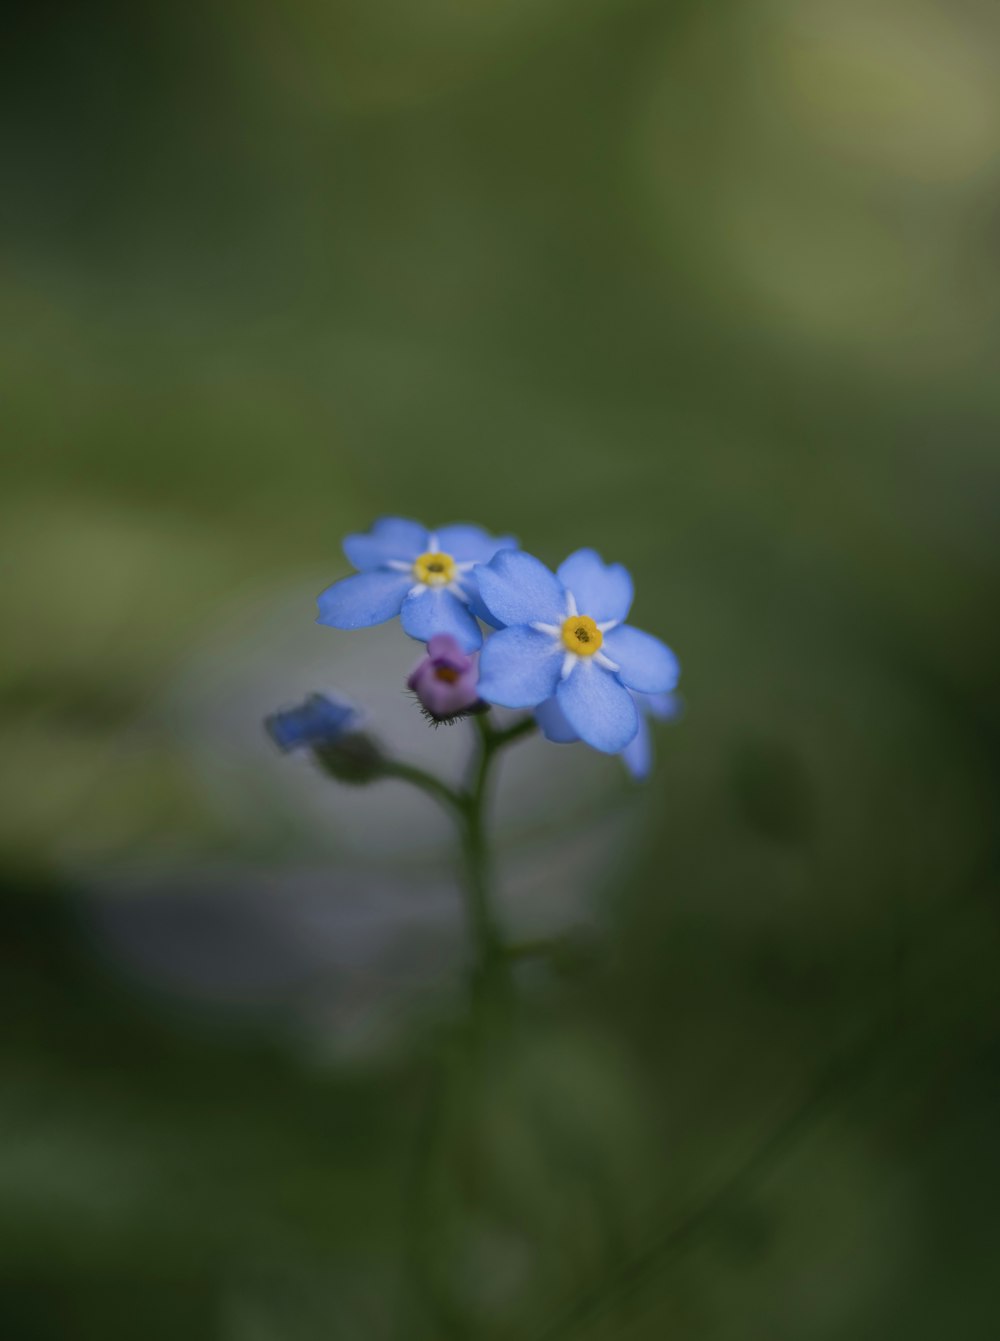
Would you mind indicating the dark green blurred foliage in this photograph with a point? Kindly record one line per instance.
(772, 791)
(714, 289)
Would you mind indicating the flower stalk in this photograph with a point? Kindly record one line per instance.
(475, 844)
(334, 734)
(469, 808)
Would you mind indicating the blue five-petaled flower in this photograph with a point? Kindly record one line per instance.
(565, 636)
(424, 577)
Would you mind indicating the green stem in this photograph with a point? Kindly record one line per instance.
(468, 807)
(509, 734)
(478, 858)
(475, 848)
(427, 782)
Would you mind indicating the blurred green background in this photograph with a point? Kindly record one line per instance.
(715, 289)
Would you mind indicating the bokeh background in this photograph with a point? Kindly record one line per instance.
(715, 288)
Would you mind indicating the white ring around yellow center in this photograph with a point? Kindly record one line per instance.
(435, 569)
(581, 635)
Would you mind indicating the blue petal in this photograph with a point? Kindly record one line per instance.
(365, 599)
(470, 586)
(468, 544)
(664, 707)
(644, 663)
(602, 591)
(637, 756)
(390, 538)
(437, 610)
(317, 721)
(553, 724)
(517, 588)
(519, 668)
(598, 708)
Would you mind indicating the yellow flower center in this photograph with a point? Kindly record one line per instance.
(581, 635)
(446, 673)
(434, 569)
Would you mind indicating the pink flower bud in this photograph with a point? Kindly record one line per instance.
(446, 681)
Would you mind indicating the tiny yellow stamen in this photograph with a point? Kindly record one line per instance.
(434, 569)
(447, 674)
(581, 635)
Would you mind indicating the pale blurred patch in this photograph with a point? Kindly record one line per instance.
(836, 184)
(222, 870)
(908, 88)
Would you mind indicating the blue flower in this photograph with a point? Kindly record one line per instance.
(316, 722)
(424, 577)
(564, 636)
(637, 756)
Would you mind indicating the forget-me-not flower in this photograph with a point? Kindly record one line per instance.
(637, 756)
(565, 636)
(424, 577)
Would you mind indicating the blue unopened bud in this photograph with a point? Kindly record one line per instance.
(332, 731)
(317, 721)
